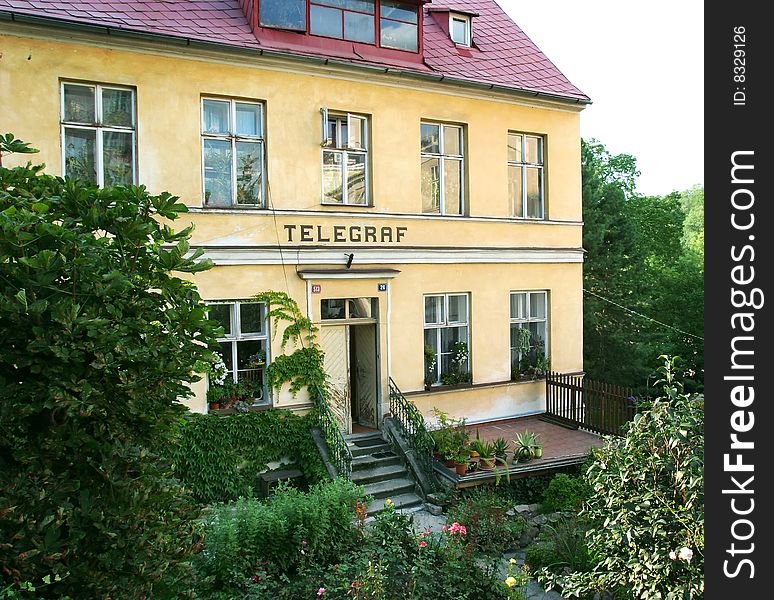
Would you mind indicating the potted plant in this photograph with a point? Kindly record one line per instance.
(461, 461)
(452, 436)
(526, 442)
(500, 446)
(486, 453)
(429, 366)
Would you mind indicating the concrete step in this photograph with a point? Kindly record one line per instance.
(390, 488)
(370, 461)
(367, 450)
(379, 473)
(402, 502)
(362, 444)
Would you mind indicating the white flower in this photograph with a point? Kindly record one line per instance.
(672, 555)
(686, 554)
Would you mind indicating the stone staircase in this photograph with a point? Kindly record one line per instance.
(380, 471)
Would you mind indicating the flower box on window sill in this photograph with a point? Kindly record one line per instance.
(443, 387)
(233, 411)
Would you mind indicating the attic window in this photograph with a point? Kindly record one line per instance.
(283, 14)
(459, 29)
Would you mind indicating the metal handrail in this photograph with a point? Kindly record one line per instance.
(412, 425)
(338, 450)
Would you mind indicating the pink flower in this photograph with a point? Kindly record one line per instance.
(303, 542)
(320, 592)
(422, 544)
(444, 528)
(256, 578)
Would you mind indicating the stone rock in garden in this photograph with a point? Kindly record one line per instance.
(434, 509)
(435, 499)
(522, 508)
(510, 512)
(538, 520)
(529, 535)
(533, 507)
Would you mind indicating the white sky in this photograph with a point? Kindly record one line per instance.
(642, 65)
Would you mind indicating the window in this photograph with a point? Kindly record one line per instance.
(351, 20)
(348, 308)
(529, 333)
(98, 133)
(283, 14)
(345, 159)
(525, 175)
(244, 346)
(459, 28)
(442, 168)
(233, 153)
(398, 25)
(394, 25)
(446, 339)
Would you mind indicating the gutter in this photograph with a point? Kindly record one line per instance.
(319, 60)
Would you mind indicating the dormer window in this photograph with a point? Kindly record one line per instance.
(393, 24)
(459, 29)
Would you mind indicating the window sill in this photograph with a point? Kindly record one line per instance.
(223, 412)
(342, 205)
(234, 207)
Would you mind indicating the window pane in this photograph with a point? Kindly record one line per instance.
(332, 177)
(452, 140)
(79, 104)
(452, 186)
(360, 308)
(431, 185)
(332, 309)
(283, 14)
(248, 353)
(537, 305)
(450, 335)
(514, 147)
(399, 11)
(459, 31)
(458, 309)
(359, 27)
(402, 36)
(117, 108)
(222, 314)
(249, 173)
(515, 191)
(534, 192)
(215, 116)
(434, 310)
(534, 150)
(519, 306)
(356, 132)
(251, 317)
(226, 349)
(366, 6)
(356, 178)
(80, 148)
(333, 132)
(430, 134)
(117, 159)
(217, 173)
(248, 119)
(325, 21)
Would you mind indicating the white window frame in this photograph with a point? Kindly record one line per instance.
(236, 335)
(344, 150)
(468, 28)
(446, 324)
(233, 138)
(524, 166)
(97, 127)
(526, 320)
(443, 157)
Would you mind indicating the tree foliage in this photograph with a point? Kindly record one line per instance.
(647, 506)
(642, 266)
(100, 340)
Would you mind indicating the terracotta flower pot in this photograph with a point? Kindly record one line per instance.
(486, 464)
(449, 462)
(461, 468)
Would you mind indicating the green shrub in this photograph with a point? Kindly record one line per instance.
(565, 493)
(220, 458)
(100, 341)
(279, 534)
(560, 546)
(490, 530)
(647, 504)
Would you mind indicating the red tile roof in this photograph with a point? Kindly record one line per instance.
(502, 55)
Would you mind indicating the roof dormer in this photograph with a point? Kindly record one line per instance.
(456, 22)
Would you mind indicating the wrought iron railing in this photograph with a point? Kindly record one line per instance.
(412, 425)
(338, 451)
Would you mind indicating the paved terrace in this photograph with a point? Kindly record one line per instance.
(562, 447)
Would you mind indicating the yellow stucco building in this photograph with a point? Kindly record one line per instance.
(407, 171)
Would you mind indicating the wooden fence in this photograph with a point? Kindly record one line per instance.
(580, 402)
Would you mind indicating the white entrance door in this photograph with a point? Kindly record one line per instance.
(334, 340)
(365, 373)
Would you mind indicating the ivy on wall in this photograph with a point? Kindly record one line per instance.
(220, 458)
(304, 366)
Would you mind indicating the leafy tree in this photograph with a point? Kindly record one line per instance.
(100, 340)
(647, 507)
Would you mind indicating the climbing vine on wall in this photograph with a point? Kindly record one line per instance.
(304, 366)
(220, 458)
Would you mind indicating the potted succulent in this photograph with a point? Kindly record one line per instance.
(526, 442)
(500, 446)
(486, 461)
